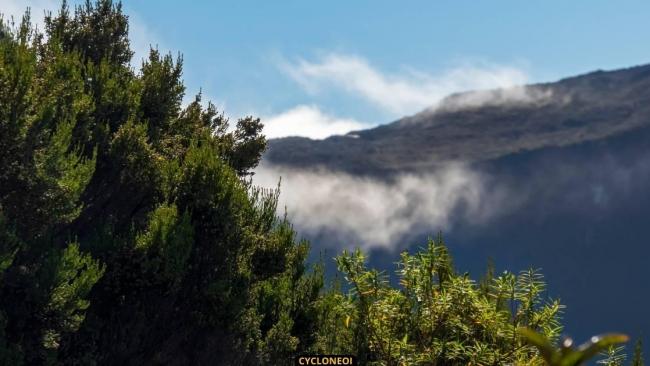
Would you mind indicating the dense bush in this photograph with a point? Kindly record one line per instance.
(439, 316)
(129, 232)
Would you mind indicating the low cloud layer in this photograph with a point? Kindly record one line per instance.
(308, 121)
(404, 93)
(373, 213)
(517, 95)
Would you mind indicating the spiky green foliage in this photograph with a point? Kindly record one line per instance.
(175, 248)
(73, 276)
(637, 356)
(567, 355)
(45, 281)
(436, 315)
(613, 356)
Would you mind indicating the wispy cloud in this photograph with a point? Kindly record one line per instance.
(407, 92)
(395, 95)
(516, 95)
(378, 213)
(308, 121)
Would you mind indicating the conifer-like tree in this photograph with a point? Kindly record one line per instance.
(129, 232)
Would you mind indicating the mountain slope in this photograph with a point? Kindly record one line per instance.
(479, 126)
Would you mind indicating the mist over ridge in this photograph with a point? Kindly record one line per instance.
(377, 213)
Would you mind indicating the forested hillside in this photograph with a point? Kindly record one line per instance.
(131, 234)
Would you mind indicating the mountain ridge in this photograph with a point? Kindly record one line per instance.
(572, 110)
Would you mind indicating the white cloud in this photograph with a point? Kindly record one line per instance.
(401, 94)
(377, 213)
(515, 95)
(307, 121)
(405, 93)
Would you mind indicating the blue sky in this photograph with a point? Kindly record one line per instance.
(316, 68)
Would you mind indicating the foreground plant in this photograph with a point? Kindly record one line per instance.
(567, 355)
(436, 315)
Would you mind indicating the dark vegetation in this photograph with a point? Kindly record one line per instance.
(130, 234)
